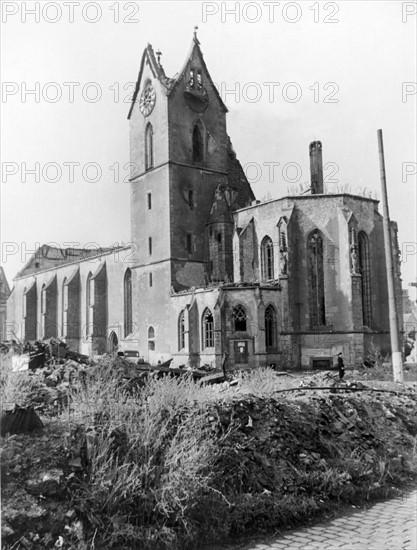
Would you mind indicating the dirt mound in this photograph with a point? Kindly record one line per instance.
(165, 463)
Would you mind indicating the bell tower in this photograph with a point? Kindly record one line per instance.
(180, 154)
(198, 165)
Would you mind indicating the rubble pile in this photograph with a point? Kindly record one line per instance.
(47, 388)
(320, 449)
(42, 352)
(279, 460)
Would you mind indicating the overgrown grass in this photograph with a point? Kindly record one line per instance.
(166, 463)
(151, 461)
(262, 382)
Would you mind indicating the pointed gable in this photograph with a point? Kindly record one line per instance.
(148, 58)
(195, 58)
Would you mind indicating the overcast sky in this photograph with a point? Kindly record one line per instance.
(289, 74)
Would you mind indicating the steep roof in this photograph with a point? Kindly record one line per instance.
(195, 51)
(158, 72)
(170, 83)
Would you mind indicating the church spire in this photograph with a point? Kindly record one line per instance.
(195, 35)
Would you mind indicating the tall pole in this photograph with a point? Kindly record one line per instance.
(397, 363)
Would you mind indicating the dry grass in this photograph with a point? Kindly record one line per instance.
(150, 469)
(263, 382)
(162, 471)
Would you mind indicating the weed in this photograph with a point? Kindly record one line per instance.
(154, 485)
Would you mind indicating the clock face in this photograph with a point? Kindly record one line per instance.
(147, 100)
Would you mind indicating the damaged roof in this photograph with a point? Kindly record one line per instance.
(49, 257)
(169, 84)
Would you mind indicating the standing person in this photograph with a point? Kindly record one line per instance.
(340, 365)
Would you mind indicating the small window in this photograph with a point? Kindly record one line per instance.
(199, 81)
(191, 199)
(149, 147)
(189, 243)
(219, 237)
(150, 279)
(198, 145)
(149, 201)
(208, 329)
(151, 339)
(191, 78)
(150, 245)
(239, 319)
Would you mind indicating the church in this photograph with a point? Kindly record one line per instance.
(214, 277)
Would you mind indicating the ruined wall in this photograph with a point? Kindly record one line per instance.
(331, 215)
(190, 223)
(194, 303)
(73, 329)
(193, 181)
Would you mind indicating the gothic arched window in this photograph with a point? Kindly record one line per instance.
(267, 256)
(29, 306)
(24, 303)
(64, 307)
(128, 302)
(316, 279)
(208, 329)
(270, 327)
(43, 311)
(90, 304)
(239, 318)
(148, 146)
(365, 270)
(198, 144)
(181, 331)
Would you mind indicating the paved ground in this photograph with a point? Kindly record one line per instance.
(389, 525)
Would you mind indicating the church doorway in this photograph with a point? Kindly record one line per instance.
(113, 342)
(241, 352)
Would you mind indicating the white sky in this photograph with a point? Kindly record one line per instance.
(368, 55)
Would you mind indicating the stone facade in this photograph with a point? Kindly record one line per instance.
(214, 276)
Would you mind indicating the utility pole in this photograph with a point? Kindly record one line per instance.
(397, 363)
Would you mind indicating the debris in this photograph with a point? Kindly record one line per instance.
(59, 543)
(46, 483)
(215, 378)
(250, 423)
(20, 420)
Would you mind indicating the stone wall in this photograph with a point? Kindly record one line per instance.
(109, 270)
